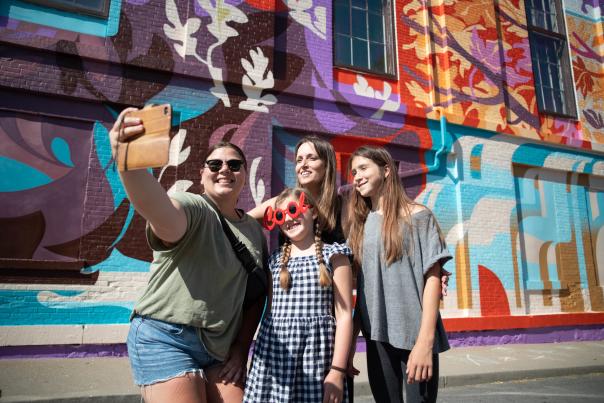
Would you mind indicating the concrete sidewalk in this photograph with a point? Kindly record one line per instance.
(108, 379)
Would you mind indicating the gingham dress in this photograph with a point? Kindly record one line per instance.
(295, 344)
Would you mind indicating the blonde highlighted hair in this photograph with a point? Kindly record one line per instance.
(284, 275)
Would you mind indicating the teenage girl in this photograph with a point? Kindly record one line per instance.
(400, 249)
(302, 349)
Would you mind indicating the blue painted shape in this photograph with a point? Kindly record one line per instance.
(22, 307)
(118, 263)
(69, 21)
(188, 101)
(282, 166)
(60, 149)
(16, 176)
(103, 152)
(476, 153)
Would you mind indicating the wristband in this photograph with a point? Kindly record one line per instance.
(339, 369)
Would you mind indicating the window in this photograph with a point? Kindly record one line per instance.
(97, 8)
(364, 35)
(549, 53)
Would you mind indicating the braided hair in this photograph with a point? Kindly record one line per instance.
(284, 275)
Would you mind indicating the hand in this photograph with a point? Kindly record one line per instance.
(234, 368)
(351, 371)
(444, 281)
(333, 387)
(419, 365)
(124, 128)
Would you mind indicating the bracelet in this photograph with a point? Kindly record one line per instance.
(339, 369)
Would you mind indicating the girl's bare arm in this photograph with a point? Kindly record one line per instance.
(419, 365)
(342, 286)
(258, 211)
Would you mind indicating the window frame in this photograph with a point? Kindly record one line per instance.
(560, 37)
(389, 29)
(57, 5)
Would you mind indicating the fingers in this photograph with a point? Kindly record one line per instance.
(231, 374)
(352, 371)
(332, 393)
(419, 374)
(127, 126)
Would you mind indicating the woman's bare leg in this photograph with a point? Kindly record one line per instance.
(189, 388)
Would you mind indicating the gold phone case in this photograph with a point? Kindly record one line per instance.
(150, 149)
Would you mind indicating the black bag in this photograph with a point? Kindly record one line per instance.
(257, 280)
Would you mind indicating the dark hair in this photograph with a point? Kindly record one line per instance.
(226, 144)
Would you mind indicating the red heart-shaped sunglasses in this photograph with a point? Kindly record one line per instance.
(277, 216)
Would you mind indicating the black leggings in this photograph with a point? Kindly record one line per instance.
(386, 367)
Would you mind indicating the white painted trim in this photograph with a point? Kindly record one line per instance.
(63, 334)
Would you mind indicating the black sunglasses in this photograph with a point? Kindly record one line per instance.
(215, 165)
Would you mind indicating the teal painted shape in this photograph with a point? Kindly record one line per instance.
(103, 152)
(536, 154)
(16, 176)
(69, 21)
(60, 149)
(22, 307)
(118, 263)
(283, 167)
(188, 102)
(476, 153)
(585, 17)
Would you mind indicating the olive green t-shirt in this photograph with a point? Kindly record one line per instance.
(199, 281)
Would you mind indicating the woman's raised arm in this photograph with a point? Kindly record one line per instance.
(166, 217)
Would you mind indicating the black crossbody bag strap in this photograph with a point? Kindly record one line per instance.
(243, 254)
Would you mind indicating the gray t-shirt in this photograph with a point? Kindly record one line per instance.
(200, 281)
(390, 297)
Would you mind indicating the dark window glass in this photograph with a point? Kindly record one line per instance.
(343, 50)
(359, 53)
(342, 19)
(364, 35)
(549, 54)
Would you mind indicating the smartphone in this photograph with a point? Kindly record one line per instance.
(151, 148)
(156, 119)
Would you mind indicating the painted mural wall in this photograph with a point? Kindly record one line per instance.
(519, 195)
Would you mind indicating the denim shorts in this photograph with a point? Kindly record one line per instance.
(160, 351)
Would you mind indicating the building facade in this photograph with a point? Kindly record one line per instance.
(493, 110)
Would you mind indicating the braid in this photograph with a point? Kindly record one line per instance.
(284, 276)
(324, 277)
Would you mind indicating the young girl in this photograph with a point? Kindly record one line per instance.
(302, 350)
(400, 249)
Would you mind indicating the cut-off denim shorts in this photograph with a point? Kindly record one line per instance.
(160, 351)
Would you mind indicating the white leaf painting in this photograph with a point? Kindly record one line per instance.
(257, 189)
(179, 186)
(176, 155)
(300, 11)
(257, 79)
(186, 44)
(362, 88)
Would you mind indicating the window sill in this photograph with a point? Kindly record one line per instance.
(385, 76)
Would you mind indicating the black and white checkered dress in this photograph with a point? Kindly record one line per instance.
(295, 343)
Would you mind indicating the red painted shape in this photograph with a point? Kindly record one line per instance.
(377, 83)
(493, 299)
(267, 5)
(523, 322)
